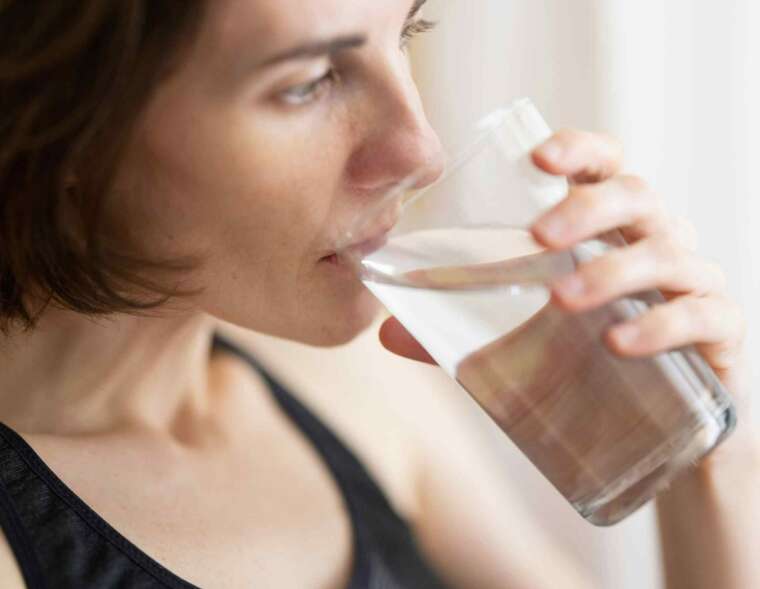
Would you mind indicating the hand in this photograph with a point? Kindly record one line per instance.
(661, 254)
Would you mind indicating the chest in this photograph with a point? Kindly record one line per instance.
(257, 506)
(268, 516)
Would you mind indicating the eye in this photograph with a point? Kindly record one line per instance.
(310, 91)
(414, 28)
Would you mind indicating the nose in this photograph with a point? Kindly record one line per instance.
(397, 141)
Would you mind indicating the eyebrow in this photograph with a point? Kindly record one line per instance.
(317, 49)
(332, 46)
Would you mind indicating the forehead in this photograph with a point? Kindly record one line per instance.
(233, 24)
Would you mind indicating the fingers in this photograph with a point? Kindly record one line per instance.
(715, 323)
(580, 155)
(659, 262)
(624, 202)
(395, 338)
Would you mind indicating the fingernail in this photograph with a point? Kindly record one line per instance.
(552, 150)
(626, 334)
(552, 228)
(571, 286)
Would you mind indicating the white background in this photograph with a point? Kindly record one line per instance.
(677, 81)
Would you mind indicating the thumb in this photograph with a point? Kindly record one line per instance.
(395, 338)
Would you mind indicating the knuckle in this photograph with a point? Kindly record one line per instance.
(611, 155)
(604, 271)
(634, 184)
(570, 136)
(665, 246)
(646, 202)
(614, 266)
(641, 191)
(590, 196)
(585, 197)
(672, 321)
(577, 191)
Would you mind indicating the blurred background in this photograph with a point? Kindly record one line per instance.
(677, 81)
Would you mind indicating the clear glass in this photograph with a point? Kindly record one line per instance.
(456, 264)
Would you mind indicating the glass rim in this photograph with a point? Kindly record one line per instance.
(479, 133)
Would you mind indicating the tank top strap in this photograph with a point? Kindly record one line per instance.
(358, 487)
(18, 539)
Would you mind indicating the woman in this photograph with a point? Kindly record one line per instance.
(167, 164)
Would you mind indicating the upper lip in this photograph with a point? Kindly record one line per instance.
(370, 227)
(368, 240)
(378, 220)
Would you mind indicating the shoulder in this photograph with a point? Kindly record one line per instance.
(374, 401)
(10, 575)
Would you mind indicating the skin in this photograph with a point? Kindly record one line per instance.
(131, 411)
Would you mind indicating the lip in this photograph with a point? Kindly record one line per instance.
(365, 245)
(371, 226)
(371, 244)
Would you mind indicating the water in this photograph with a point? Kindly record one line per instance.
(607, 432)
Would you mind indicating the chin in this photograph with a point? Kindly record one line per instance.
(323, 322)
(346, 324)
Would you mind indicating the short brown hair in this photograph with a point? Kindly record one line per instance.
(74, 76)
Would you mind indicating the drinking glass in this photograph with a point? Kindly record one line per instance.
(456, 264)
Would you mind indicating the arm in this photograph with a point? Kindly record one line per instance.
(709, 519)
(10, 575)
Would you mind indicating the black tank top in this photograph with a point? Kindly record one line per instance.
(61, 543)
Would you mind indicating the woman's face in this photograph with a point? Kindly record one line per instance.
(262, 146)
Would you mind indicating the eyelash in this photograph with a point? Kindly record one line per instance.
(304, 94)
(414, 28)
(310, 92)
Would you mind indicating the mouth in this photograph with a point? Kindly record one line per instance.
(372, 232)
(361, 248)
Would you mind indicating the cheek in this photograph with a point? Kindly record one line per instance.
(276, 198)
(285, 178)
(258, 204)
(243, 196)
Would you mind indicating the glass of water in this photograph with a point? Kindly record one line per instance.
(456, 264)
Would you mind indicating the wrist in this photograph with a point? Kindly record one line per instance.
(709, 517)
(741, 449)
(737, 456)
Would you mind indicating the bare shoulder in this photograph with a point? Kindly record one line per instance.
(375, 401)
(10, 575)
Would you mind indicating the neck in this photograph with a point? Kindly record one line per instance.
(73, 375)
